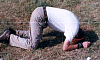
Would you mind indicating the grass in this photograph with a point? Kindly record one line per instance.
(14, 12)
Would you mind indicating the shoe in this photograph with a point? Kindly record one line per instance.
(5, 36)
(12, 31)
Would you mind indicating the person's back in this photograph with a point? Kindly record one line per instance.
(63, 20)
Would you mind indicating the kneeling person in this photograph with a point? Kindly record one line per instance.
(58, 19)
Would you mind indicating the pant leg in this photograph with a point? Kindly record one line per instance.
(19, 42)
(36, 24)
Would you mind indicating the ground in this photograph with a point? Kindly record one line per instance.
(16, 14)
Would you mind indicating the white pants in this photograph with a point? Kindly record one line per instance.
(36, 26)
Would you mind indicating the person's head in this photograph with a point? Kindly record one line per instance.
(79, 37)
(80, 34)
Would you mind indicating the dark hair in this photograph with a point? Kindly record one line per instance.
(80, 34)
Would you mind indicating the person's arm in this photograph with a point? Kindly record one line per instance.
(67, 46)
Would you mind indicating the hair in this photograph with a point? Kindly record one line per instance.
(80, 34)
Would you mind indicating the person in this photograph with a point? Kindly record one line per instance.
(58, 19)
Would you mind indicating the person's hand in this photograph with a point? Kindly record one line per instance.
(86, 44)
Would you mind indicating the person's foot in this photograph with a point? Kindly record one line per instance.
(4, 37)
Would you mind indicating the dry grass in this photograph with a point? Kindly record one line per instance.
(50, 47)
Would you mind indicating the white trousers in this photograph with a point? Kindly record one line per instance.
(36, 26)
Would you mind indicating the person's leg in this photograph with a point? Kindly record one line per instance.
(36, 24)
(19, 42)
(24, 34)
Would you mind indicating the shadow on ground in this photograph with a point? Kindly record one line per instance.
(89, 36)
(59, 38)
